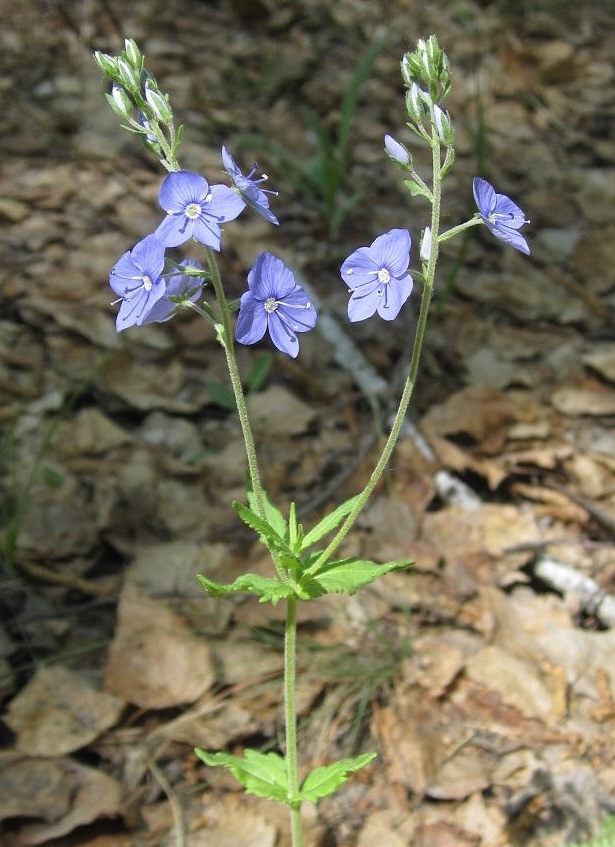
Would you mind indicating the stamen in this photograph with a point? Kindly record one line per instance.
(193, 210)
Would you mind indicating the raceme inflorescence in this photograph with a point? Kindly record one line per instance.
(151, 287)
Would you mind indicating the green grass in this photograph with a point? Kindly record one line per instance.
(323, 178)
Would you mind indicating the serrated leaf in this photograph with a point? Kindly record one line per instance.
(328, 523)
(267, 589)
(273, 515)
(267, 533)
(417, 190)
(346, 576)
(324, 781)
(263, 774)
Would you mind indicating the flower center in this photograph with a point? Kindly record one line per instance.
(271, 304)
(193, 210)
(383, 275)
(147, 283)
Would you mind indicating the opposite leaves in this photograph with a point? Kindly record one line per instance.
(265, 775)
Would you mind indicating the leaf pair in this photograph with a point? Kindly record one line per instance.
(341, 576)
(289, 545)
(265, 774)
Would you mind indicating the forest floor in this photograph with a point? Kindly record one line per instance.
(483, 675)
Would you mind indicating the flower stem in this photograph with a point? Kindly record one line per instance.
(290, 720)
(225, 336)
(450, 233)
(410, 383)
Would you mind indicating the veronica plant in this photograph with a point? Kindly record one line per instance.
(151, 287)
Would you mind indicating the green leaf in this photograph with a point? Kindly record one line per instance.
(263, 774)
(295, 530)
(221, 396)
(266, 532)
(417, 190)
(259, 372)
(328, 523)
(324, 781)
(346, 576)
(273, 515)
(267, 589)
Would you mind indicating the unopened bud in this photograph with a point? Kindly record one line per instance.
(119, 101)
(428, 67)
(128, 76)
(107, 64)
(417, 103)
(132, 53)
(444, 126)
(159, 105)
(397, 152)
(426, 244)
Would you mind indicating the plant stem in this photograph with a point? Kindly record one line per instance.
(450, 233)
(225, 336)
(290, 720)
(408, 390)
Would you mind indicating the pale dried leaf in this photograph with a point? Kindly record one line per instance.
(575, 401)
(92, 794)
(59, 711)
(277, 412)
(155, 661)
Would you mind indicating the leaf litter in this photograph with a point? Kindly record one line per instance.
(482, 675)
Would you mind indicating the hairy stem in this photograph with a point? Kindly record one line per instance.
(410, 383)
(225, 335)
(290, 720)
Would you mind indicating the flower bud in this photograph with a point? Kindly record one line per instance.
(428, 67)
(158, 103)
(444, 126)
(119, 101)
(397, 152)
(132, 54)
(128, 76)
(426, 244)
(417, 103)
(107, 64)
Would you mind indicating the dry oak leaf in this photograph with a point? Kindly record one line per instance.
(575, 401)
(62, 792)
(479, 411)
(155, 660)
(60, 711)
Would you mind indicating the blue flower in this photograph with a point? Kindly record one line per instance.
(274, 302)
(255, 197)
(502, 216)
(137, 279)
(195, 209)
(182, 285)
(378, 276)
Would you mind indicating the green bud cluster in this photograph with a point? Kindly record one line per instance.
(428, 67)
(136, 98)
(426, 75)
